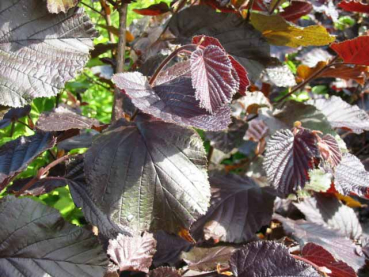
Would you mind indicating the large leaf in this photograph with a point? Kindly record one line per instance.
(149, 175)
(57, 6)
(280, 32)
(36, 241)
(238, 37)
(341, 247)
(172, 99)
(267, 258)
(353, 51)
(132, 253)
(288, 158)
(16, 155)
(350, 176)
(340, 114)
(239, 208)
(62, 119)
(331, 213)
(40, 51)
(321, 257)
(211, 72)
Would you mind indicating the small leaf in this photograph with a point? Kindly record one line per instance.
(153, 10)
(288, 159)
(250, 104)
(207, 259)
(354, 6)
(280, 32)
(132, 253)
(57, 6)
(13, 115)
(350, 176)
(330, 150)
(239, 208)
(321, 257)
(16, 155)
(319, 180)
(211, 72)
(149, 175)
(62, 119)
(296, 10)
(36, 241)
(353, 51)
(267, 258)
(40, 51)
(278, 75)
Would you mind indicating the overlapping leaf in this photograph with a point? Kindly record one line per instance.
(62, 119)
(40, 51)
(280, 32)
(330, 150)
(132, 253)
(296, 10)
(16, 155)
(149, 175)
(14, 114)
(341, 247)
(57, 6)
(172, 99)
(239, 208)
(154, 9)
(331, 213)
(321, 257)
(340, 114)
(354, 50)
(267, 258)
(288, 158)
(36, 241)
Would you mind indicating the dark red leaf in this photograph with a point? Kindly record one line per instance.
(321, 257)
(354, 6)
(211, 72)
(296, 10)
(355, 51)
(153, 10)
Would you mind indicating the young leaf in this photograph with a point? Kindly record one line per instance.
(132, 253)
(13, 115)
(149, 175)
(172, 99)
(341, 247)
(331, 213)
(207, 259)
(288, 159)
(211, 72)
(350, 176)
(330, 150)
(239, 208)
(40, 51)
(153, 10)
(296, 10)
(16, 155)
(278, 75)
(57, 6)
(36, 241)
(62, 119)
(280, 32)
(353, 50)
(321, 257)
(267, 258)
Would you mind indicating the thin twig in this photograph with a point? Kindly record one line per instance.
(210, 153)
(118, 111)
(104, 7)
(25, 124)
(313, 76)
(92, 8)
(249, 10)
(12, 129)
(274, 7)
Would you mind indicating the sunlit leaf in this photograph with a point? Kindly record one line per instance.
(354, 50)
(57, 6)
(155, 9)
(330, 150)
(354, 6)
(296, 10)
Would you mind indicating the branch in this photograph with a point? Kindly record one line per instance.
(118, 111)
(107, 17)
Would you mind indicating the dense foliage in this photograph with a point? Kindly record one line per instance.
(184, 138)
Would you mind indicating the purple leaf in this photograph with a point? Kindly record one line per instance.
(330, 150)
(212, 78)
(13, 115)
(164, 272)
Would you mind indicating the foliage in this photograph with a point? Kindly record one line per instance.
(184, 138)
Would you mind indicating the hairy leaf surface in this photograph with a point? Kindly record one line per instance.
(40, 51)
(149, 175)
(16, 155)
(267, 258)
(288, 159)
(36, 241)
(239, 208)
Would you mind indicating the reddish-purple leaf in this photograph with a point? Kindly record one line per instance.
(354, 6)
(132, 253)
(172, 99)
(340, 114)
(350, 176)
(321, 257)
(288, 159)
(355, 51)
(330, 150)
(296, 10)
(212, 78)
(268, 258)
(164, 272)
(155, 9)
(13, 115)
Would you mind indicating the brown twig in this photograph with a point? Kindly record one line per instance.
(105, 8)
(25, 124)
(118, 111)
(92, 8)
(271, 11)
(42, 172)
